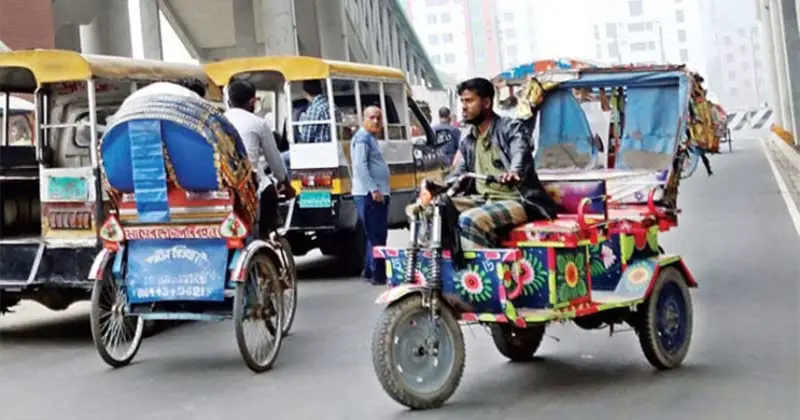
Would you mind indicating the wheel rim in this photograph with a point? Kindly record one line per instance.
(119, 333)
(424, 355)
(289, 290)
(671, 319)
(261, 315)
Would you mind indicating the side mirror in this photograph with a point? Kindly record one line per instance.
(419, 141)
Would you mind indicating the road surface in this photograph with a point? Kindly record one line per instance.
(744, 363)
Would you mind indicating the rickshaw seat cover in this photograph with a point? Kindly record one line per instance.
(200, 144)
(651, 129)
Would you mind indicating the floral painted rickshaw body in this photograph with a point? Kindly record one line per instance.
(598, 263)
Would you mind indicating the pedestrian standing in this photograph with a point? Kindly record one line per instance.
(371, 190)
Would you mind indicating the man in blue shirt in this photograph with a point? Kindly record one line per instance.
(371, 189)
(447, 133)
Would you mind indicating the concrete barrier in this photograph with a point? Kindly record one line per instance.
(785, 142)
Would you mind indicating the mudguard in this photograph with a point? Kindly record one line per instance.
(100, 263)
(398, 292)
(240, 260)
(639, 277)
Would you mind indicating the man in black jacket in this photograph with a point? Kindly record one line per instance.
(501, 147)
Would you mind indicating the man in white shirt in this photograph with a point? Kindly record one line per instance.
(258, 140)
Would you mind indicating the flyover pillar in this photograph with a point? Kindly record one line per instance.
(109, 32)
(279, 25)
(331, 28)
(150, 21)
(791, 32)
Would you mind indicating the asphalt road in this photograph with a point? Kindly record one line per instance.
(735, 235)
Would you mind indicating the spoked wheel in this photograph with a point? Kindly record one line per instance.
(665, 330)
(258, 314)
(116, 335)
(289, 289)
(517, 344)
(418, 362)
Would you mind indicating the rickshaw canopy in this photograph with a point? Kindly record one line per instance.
(25, 71)
(296, 68)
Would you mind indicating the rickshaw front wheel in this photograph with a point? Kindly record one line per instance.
(419, 363)
(289, 289)
(117, 336)
(258, 314)
(665, 326)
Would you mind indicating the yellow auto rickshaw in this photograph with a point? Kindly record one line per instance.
(50, 189)
(324, 215)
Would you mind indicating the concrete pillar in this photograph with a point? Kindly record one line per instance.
(279, 26)
(68, 37)
(791, 32)
(781, 107)
(244, 26)
(404, 55)
(770, 56)
(150, 20)
(109, 32)
(330, 24)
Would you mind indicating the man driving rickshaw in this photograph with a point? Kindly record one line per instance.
(496, 146)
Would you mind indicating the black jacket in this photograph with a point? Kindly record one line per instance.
(513, 140)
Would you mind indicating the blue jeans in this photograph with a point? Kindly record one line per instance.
(286, 163)
(374, 217)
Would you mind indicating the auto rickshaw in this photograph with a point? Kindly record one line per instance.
(51, 190)
(324, 215)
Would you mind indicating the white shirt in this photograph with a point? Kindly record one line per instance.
(257, 138)
(162, 88)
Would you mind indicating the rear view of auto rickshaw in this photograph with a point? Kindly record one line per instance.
(324, 215)
(598, 264)
(51, 192)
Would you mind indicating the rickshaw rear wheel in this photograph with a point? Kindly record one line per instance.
(517, 344)
(290, 301)
(261, 283)
(417, 370)
(107, 317)
(665, 327)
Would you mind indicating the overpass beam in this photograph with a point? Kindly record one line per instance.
(109, 32)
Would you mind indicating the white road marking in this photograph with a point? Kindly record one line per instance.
(791, 205)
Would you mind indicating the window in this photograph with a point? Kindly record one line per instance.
(449, 58)
(436, 60)
(433, 39)
(611, 29)
(640, 46)
(613, 50)
(598, 51)
(729, 58)
(596, 32)
(446, 18)
(447, 38)
(681, 35)
(636, 27)
(635, 8)
(684, 55)
(679, 16)
(432, 19)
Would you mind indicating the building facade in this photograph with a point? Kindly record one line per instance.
(26, 24)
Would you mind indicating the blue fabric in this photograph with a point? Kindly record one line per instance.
(287, 162)
(589, 78)
(563, 121)
(374, 217)
(370, 170)
(149, 175)
(451, 135)
(652, 120)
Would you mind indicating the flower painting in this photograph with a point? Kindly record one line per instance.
(474, 284)
(571, 276)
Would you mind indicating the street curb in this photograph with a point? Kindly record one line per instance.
(792, 155)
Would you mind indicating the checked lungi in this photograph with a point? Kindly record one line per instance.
(480, 220)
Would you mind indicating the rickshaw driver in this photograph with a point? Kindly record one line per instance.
(497, 146)
(258, 140)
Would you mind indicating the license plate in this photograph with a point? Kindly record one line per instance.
(315, 199)
(67, 188)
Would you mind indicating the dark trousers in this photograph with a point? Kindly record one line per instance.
(268, 214)
(374, 217)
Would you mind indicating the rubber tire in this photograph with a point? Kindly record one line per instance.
(383, 360)
(238, 314)
(288, 322)
(694, 162)
(648, 332)
(352, 250)
(94, 323)
(517, 344)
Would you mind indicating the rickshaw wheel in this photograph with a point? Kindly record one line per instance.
(517, 344)
(665, 331)
(259, 302)
(111, 327)
(416, 369)
(690, 163)
(290, 289)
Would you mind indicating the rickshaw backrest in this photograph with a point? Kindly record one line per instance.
(652, 120)
(565, 138)
(157, 144)
(570, 193)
